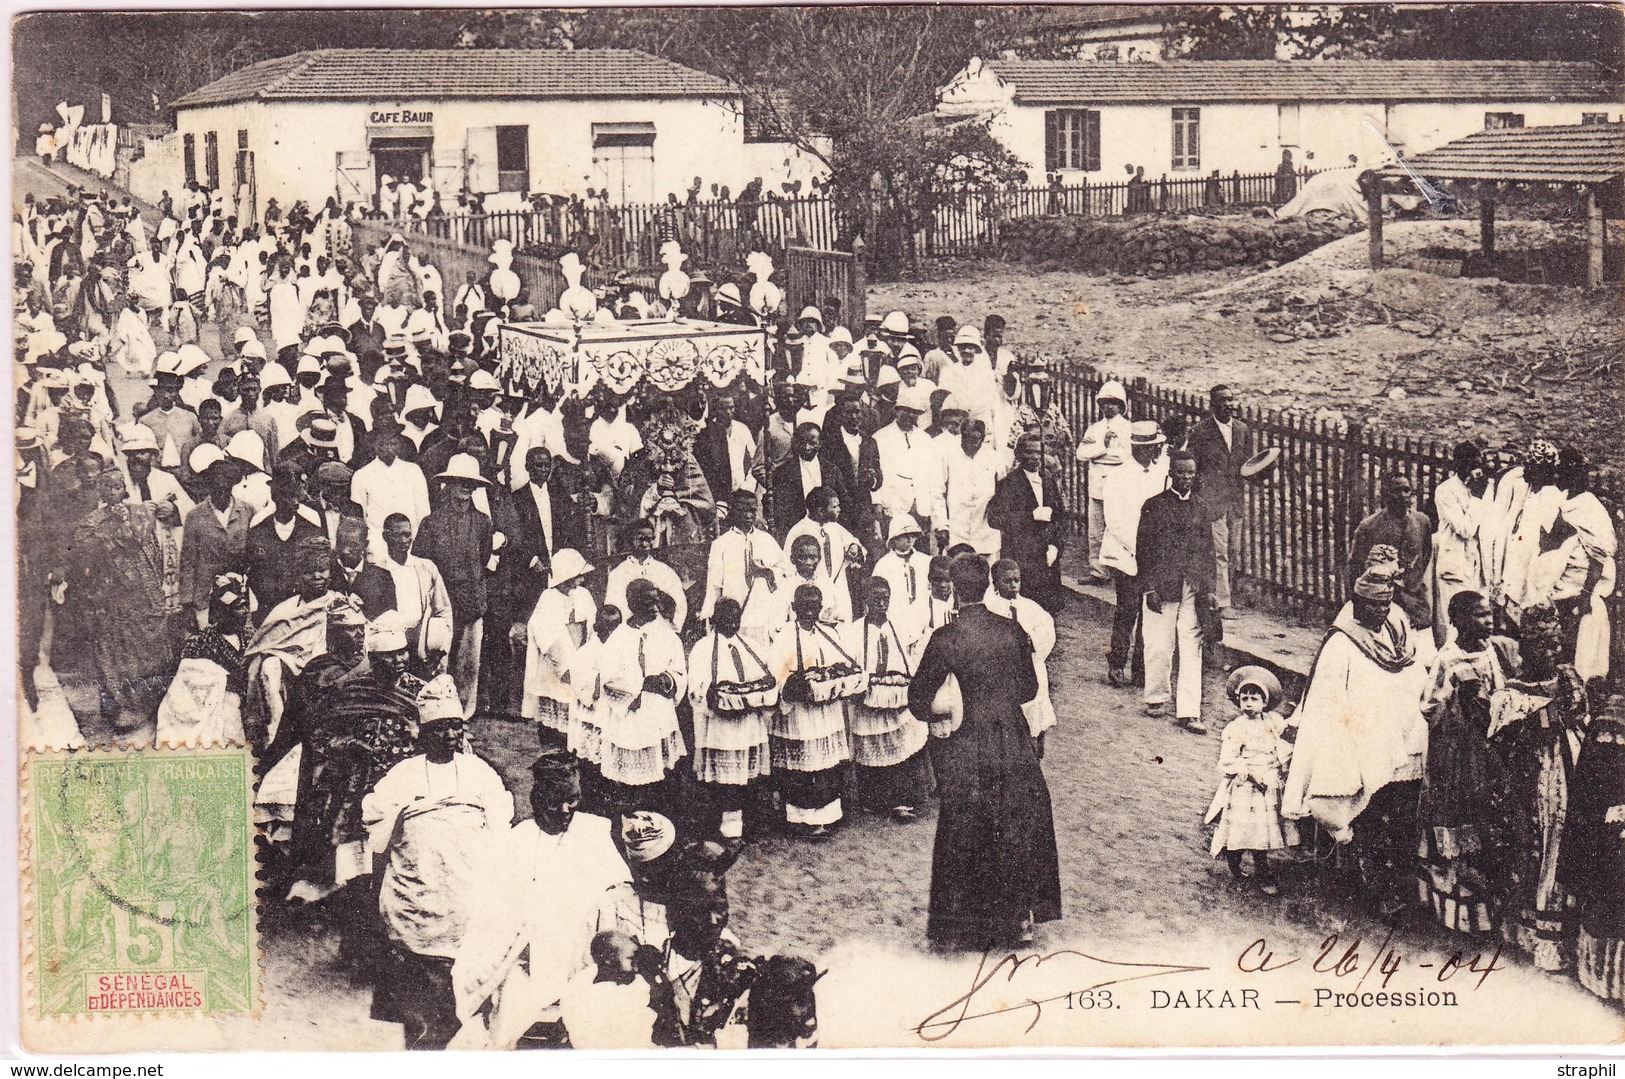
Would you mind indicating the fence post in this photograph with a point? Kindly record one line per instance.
(1353, 492)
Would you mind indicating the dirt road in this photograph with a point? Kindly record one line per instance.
(1416, 353)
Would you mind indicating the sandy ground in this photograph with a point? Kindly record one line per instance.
(1416, 353)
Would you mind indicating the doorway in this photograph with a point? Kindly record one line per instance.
(623, 159)
(400, 159)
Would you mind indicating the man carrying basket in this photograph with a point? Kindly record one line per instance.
(734, 695)
(808, 735)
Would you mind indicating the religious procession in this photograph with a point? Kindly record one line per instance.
(729, 575)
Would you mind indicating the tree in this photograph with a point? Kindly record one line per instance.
(1399, 32)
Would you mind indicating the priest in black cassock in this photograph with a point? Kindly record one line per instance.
(994, 870)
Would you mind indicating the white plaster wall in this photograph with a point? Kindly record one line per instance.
(1247, 137)
(297, 143)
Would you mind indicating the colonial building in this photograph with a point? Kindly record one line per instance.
(1098, 121)
(333, 122)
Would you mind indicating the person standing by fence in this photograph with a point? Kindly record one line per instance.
(1219, 444)
(1174, 552)
(1103, 448)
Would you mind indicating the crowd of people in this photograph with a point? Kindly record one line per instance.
(725, 612)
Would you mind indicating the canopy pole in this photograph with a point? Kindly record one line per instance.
(1593, 239)
(1486, 226)
(1373, 207)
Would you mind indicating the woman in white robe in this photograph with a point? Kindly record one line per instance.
(1360, 725)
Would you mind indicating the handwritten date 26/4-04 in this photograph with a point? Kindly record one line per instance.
(1341, 960)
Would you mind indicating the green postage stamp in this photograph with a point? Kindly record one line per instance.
(139, 868)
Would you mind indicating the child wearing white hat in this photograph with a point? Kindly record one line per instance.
(1253, 759)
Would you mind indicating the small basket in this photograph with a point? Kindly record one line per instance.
(834, 684)
(736, 698)
(887, 691)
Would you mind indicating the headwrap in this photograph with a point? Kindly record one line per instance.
(228, 588)
(386, 633)
(1375, 584)
(1381, 555)
(645, 836)
(438, 700)
(1542, 452)
(346, 611)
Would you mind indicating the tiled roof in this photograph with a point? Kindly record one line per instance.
(414, 74)
(1582, 153)
(1080, 82)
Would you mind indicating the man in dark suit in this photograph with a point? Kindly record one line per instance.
(802, 472)
(273, 568)
(1027, 510)
(542, 507)
(214, 536)
(711, 444)
(1221, 443)
(851, 463)
(994, 866)
(1174, 549)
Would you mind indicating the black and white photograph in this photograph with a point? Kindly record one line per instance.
(910, 527)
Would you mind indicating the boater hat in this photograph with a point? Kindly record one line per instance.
(322, 433)
(1145, 433)
(1260, 464)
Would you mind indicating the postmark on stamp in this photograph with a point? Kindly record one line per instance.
(140, 876)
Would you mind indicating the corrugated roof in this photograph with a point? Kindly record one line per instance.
(1581, 153)
(1080, 82)
(416, 74)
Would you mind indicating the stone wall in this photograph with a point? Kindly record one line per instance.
(1162, 245)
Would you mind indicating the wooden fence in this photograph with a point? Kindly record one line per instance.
(715, 233)
(813, 278)
(1300, 521)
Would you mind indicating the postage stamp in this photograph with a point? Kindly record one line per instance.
(139, 873)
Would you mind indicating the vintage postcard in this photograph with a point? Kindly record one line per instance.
(909, 527)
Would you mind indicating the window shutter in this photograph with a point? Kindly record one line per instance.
(1052, 141)
(1091, 137)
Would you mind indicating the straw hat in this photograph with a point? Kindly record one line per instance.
(1145, 433)
(915, 398)
(322, 433)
